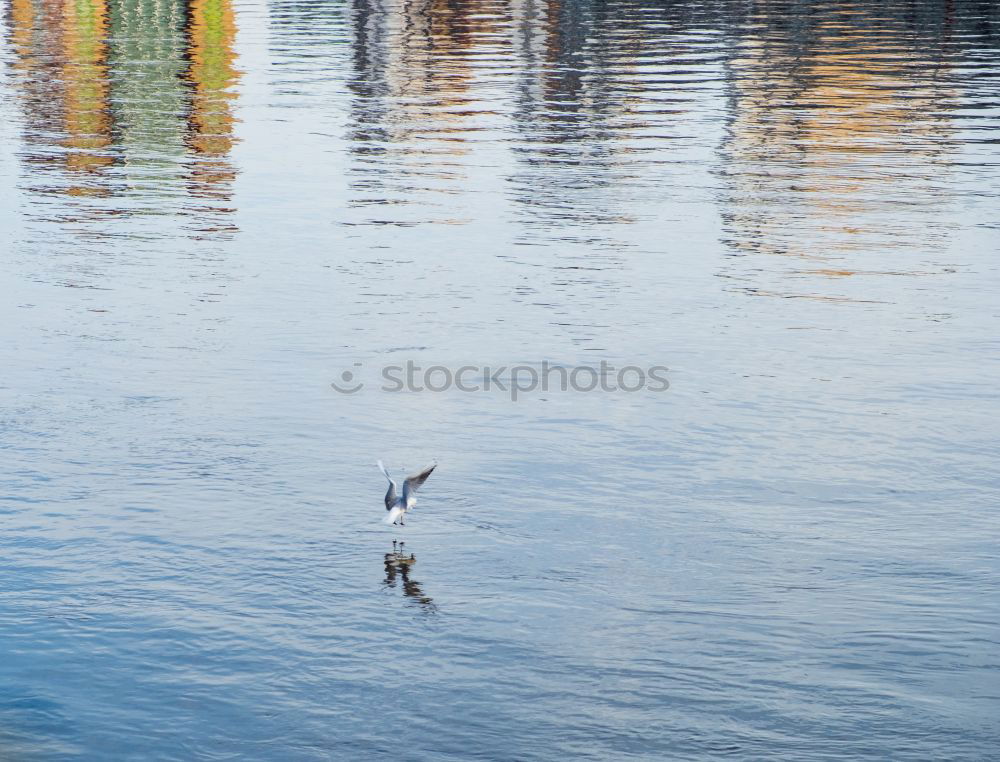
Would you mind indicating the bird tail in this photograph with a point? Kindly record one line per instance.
(392, 515)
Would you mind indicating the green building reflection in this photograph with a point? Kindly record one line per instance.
(130, 99)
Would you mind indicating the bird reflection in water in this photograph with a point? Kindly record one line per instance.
(397, 567)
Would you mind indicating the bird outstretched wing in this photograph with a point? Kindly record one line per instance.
(390, 495)
(412, 484)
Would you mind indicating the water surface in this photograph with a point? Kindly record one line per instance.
(211, 209)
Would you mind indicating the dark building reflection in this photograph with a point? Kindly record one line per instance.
(575, 110)
(423, 109)
(415, 113)
(127, 101)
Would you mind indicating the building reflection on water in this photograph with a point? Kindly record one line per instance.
(577, 111)
(211, 75)
(128, 100)
(523, 111)
(430, 106)
(833, 114)
(86, 116)
(414, 112)
(829, 132)
(570, 118)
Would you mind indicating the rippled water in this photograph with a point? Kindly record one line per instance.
(210, 210)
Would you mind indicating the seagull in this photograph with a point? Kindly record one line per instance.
(398, 506)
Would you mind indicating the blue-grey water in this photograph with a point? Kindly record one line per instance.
(212, 209)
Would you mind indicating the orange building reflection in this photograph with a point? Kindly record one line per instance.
(60, 70)
(212, 75)
(126, 100)
(829, 142)
(87, 90)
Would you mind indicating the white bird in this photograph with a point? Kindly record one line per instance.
(398, 506)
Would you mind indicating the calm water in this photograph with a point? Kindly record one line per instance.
(211, 209)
